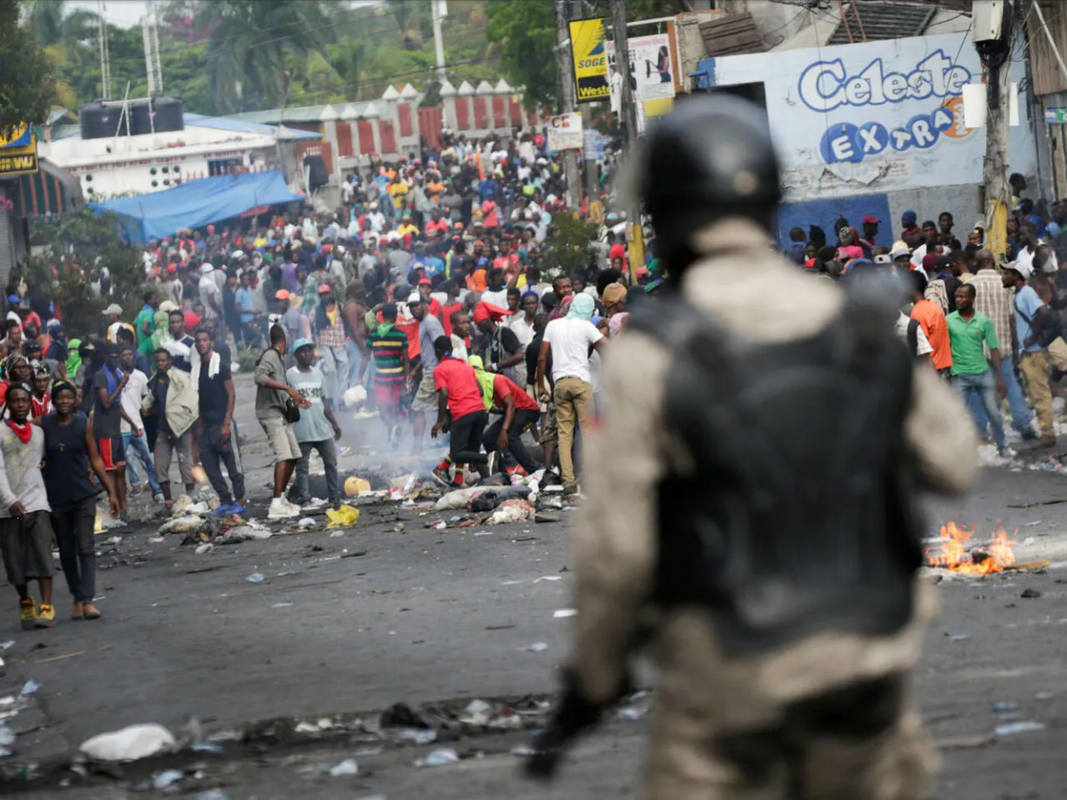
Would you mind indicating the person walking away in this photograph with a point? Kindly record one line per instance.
(504, 436)
(569, 340)
(172, 398)
(458, 394)
(776, 677)
(392, 368)
(210, 293)
(430, 330)
(932, 320)
(331, 332)
(69, 453)
(107, 386)
(215, 435)
(317, 428)
(1035, 327)
(970, 333)
(276, 404)
(355, 310)
(134, 441)
(995, 301)
(25, 528)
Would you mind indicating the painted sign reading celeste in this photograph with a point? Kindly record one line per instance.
(826, 85)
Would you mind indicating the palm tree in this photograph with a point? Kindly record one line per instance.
(409, 15)
(354, 60)
(64, 34)
(250, 43)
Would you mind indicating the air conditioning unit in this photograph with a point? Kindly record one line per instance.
(988, 19)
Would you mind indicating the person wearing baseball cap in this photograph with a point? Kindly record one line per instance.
(331, 330)
(870, 229)
(317, 428)
(1034, 329)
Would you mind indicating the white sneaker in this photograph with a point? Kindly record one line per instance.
(280, 509)
(314, 504)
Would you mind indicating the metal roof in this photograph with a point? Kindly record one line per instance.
(274, 116)
(881, 21)
(243, 126)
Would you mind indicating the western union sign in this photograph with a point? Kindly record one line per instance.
(18, 153)
(590, 60)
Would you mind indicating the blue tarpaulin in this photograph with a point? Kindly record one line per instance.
(199, 203)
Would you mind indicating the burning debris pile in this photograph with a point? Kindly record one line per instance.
(958, 554)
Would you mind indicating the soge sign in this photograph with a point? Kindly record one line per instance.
(827, 85)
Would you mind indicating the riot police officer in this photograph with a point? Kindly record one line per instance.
(761, 533)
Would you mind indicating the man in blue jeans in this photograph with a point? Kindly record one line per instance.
(969, 334)
(134, 441)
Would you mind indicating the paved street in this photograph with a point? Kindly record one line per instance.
(343, 627)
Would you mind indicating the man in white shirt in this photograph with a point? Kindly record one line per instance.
(569, 340)
(134, 440)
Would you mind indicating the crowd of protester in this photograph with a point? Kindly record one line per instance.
(431, 292)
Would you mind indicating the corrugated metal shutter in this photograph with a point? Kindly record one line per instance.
(731, 35)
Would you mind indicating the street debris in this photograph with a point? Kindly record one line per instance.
(346, 767)
(1002, 707)
(30, 687)
(213, 794)
(337, 534)
(563, 613)
(344, 517)
(356, 487)
(281, 605)
(1030, 594)
(306, 522)
(439, 758)
(537, 647)
(400, 715)
(129, 744)
(166, 778)
(420, 736)
(204, 549)
(185, 524)
(1012, 728)
(256, 577)
(512, 511)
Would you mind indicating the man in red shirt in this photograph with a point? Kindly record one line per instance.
(432, 305)
(505, 435)
(617, 250)
(458, 393)
(932, 321)
(436, 223)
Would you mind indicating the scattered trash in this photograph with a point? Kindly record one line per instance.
(343, 517)
(7, 645)
(337, 534)
(1012, 728)
(959, 637)
(281, 605)
(563, 613)
(306, 727)
(632, 714)
(512, 511)
(404, 484)
(399, 527)
(439, 758)
(129, 744)
(156, 540)
(522, 750)
(439, 525)
(493, 497)
(548, 578)
(115, 540)
(416, 735)
(306, 522)
(1044, 696)
(400, 715)
(537, 647)
(1030, 594)
(355, 487)
(166, 778)
(483, 533)
(346, 767)
(206, 747)
(256, 577)
(1000, 708)
(186, 524)
(30, 687)
(458, 498)
(7, 736)
(213, 794)
(198, 508)
(204, 548)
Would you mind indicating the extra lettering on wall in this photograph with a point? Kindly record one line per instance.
(827, 85)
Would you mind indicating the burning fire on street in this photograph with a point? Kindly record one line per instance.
(960, 554)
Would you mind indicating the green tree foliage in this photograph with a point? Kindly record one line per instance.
(570, 240)
(26, 83)
(72, 252)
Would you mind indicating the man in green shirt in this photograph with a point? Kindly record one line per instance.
(969, 333)
(145, 322)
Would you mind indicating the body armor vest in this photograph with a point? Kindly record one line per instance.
(799, 516)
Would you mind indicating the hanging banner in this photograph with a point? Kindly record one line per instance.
(594, 145)
(565, 132)
(651, 66)
(590, 61)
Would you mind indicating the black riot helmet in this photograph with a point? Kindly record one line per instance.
(710, 158)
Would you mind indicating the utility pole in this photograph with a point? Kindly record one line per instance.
(439, 10)
(995, 54)
(105, 56)
(565, 94)
(628, 118)
(628, 111)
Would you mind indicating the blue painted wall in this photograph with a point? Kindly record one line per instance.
(826, 211)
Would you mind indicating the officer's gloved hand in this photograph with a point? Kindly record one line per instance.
(574, 715)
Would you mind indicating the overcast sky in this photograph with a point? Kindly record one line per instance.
(123, 13)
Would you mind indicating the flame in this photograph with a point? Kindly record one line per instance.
(956, 555)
